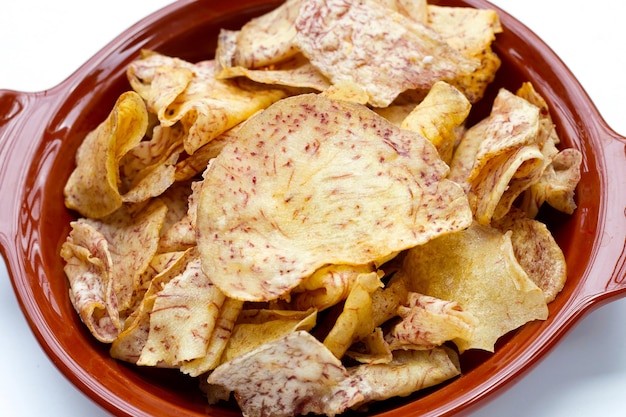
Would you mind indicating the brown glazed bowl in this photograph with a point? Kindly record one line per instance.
(39, 134)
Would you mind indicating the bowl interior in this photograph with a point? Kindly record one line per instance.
(189, 30)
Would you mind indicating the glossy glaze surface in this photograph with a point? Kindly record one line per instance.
(34, 223)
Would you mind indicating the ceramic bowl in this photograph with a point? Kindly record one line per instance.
(39, 134)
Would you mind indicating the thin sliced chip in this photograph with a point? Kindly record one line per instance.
(257, 327)
(355, 322)
(182, 234)
(296, 72)
(409, 371)
(352, 41)
(133, 239)
(438, 117)
(502, 180)
(347, 91)
(93, 187)
(87, 266)
(416, 10)
(131, 341)
(182, 318)
(428, 322)
(205, 106)
(292, 375)
(267, 39)
(298, 191)
(327, 286)
(470, 31)
(494, 288)
(219, 340)
(371, 349)
(537, 252)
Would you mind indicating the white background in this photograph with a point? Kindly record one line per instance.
(43, 42)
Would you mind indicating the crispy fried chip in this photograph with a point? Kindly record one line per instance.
(219, 339)
(295, 72)
(537, 252)
(181, 234)
(408, 372)
(428, 322)
(263, 41)
(292, 375)
(93, 186)
(298, 192)
(257, 327)
(438, 117)
(182, 318)
(327, 286)
(352, 41)
(355, 322)
(493, 288)
(371, 349)
(178, 91)
(470, 31)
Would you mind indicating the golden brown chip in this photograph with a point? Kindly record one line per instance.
(93, 186)
(327, 286)
(296, 72)
(409, 371)
(371, 349)
(263, 41)
(257, 327)
(182, 318)
(311, 182)
(470, 31)
(355, 322)
(477, 269)
(537, 252)
(352, 41)
(428, 322)
(205, 106)
(219, 340)
(292, 375)
(438, 117)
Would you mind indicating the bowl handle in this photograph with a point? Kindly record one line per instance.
(20, 113)
(612, 245)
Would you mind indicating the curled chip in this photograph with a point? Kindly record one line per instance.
(93, 186)
(428, 322)
(537, 252)
(178, 91)
(439, 116)
(292, 375)
(297, 192)
(409, 371)
(352, 41)
(477, 269)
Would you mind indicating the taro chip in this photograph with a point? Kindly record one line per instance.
(88, 268)
(296, 72)
(292, 375)
(131, 341)
(182, 318)
(495, 289)
(428, 322)
(93, 187)
(470, 31)
(409, 371)
(257, 327)
(263, 41)
(336, 36)
(219, 340)
(181, 234)
(355, 322)
(327, 286)
(537, 252)
(276, 207)
(371, 349)
(205, 105)
(439, 116)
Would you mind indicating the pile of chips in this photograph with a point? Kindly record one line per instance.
(306, 220)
